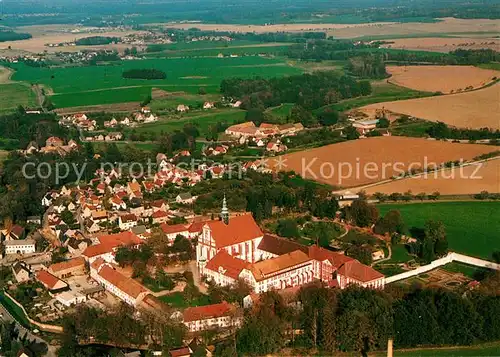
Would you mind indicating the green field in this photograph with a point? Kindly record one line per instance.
(472, 227)
(14, 94)
(281, 111)
(399, 254)
(202, 121)
(487, 349)
(103, 84)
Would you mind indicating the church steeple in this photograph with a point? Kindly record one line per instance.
(224, 214)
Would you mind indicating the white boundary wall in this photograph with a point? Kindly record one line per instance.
(443, 261)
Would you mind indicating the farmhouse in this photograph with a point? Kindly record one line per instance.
(365, 126)
(50, 282)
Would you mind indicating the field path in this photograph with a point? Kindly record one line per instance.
(5, 75)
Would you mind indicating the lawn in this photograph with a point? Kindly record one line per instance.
(472, 227)
(103, 84)
(487, 349)
(467, 270)
(399, 254)
(14, 94)
(202, 121)
(178, 300)
(14, 310)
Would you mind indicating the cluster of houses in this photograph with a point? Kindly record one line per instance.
(250, 130)
(111, 136)
(80, 121)
(53, 145)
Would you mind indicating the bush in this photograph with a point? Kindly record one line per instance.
(144, 74)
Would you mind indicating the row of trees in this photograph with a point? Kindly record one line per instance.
(440, 130)
(96, 40)
(310, 91)
(362, 320)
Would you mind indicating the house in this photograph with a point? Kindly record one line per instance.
(276, 147)
(127, 221)
(210, 317)
(117, 203)
(108, 244)
(185, 198)
(159, 205)
(13, 233)
(208, 105)
(126, 289)
(21, 246)
(77, 246)
(181, 108)
(50, 282)
(21, 272)
(66, 269)
(172, 231)
(236, 104)
(31, 148)
(99, 216)
(378, 254)
(54, 141)
(365, 126)
(159, 217)
(145, 110)
(141, 231)
(92, 226)
(290, 129)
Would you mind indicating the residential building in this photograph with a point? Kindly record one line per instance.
(21, 272)
(185, 198)
(20, 246)
(126, 289)
(127, 221)
(172, 231)
(212, 317)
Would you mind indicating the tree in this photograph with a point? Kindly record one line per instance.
(351, 133)
(362, 213)
(381, 197)
(288, 228)
(173, 336)
(383, 123)
(328, 117)
(391, 223)
(301, 115)
(255, 115)
(202, 91)
(436, 233)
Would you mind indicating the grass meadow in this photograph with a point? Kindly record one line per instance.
(14, 94)
(103, 84)
(472, 226)
(202, 121)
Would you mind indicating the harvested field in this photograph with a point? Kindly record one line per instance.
(118, 107)
(446, 26)
(39, 39)
(443, 44)
(451, 78)
(460, 181)
(5, 74)
(474, 109)
(364, 161)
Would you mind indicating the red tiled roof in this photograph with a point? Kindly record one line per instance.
(158, 203)
(231, 266)
(279, 246)
(207, 312)
(360, 272)
(321, 254)
(127, 285)
(196, 227)
(73, 263)
(265, 268)
(97, 263)
(160, 214)
(110, 241)
(176, 228)
(130, 217)
(47, 279)
(180, 352)
(239, 229)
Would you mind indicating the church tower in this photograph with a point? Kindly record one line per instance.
(224, 214)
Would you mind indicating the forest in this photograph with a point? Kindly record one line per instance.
(310, 91)
(13, 36)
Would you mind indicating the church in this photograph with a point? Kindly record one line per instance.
(236, 248)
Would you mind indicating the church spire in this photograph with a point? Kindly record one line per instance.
(224, 214)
